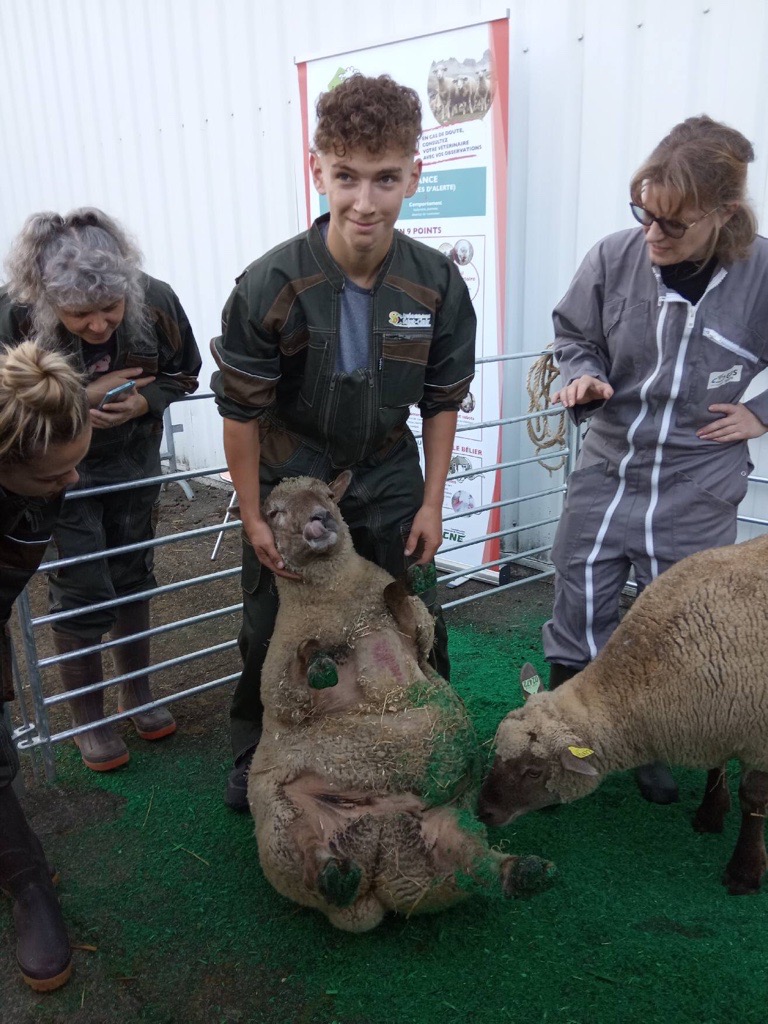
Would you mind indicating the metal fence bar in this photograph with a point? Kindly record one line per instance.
(167, 627)
(143, 595)
(38, 736)
(24, 615)
(468, 474)
(131, 485)
(67, 734)
(500, 533)
(160, 666)
(169, 429)
(502, 560)
(26, 726)
(509, 357)
(503, 504)
(509, 419)
(497, 590)
(126, 549)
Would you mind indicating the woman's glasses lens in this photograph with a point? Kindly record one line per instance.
(671, 228)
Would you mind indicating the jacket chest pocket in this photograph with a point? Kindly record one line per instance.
(725, 359)
(626, 331)
(17, 554)
(316, 368)
(403, 363)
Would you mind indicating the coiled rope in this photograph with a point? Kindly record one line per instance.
(545, 431)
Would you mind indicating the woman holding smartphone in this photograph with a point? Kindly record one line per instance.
(75, 283)
(45, 431)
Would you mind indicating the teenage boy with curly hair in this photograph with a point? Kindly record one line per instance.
(327, 340)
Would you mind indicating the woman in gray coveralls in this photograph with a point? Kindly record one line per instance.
(659, 335)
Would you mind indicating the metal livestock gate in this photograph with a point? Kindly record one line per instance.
(35, 734)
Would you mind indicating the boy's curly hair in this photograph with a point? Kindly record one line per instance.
(374, 114)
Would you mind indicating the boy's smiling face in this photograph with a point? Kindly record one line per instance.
(365, 194)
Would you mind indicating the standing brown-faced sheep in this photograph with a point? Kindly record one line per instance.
(683, 679)
(362, 784)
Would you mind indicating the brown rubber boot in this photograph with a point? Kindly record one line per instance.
(42, 945)
(101, 748)
(155, 723)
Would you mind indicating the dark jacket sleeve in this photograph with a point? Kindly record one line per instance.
(15, 323)
(451, 363)
(178, 355)
(25, 530)
(580, 346)
(247, 354)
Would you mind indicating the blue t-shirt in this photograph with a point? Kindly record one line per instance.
(355, 327)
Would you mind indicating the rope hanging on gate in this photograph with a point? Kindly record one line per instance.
(544, 431)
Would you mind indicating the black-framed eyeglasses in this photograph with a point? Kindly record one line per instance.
(671, 228)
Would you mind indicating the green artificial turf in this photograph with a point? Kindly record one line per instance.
(635, 928)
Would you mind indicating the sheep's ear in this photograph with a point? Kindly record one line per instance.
(340, 484)
(530, 681)
(576, 759)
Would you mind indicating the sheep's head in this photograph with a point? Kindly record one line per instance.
(539, 761)
(304, 517)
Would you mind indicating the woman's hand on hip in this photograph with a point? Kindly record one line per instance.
(738, 423)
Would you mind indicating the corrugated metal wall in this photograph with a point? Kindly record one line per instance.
(180, 117)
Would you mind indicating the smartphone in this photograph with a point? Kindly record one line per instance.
(117, 394)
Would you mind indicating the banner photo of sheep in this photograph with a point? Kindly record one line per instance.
(459, 208)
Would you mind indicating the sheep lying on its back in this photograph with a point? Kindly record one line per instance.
(683, 679)
(362, 784)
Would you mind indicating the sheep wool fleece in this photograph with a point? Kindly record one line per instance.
(647, 491)
(277, 359)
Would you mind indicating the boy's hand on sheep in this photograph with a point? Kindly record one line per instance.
(738, 423)
(263, 542)
(426, 534)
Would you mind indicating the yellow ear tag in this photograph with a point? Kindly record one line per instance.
(581, 751)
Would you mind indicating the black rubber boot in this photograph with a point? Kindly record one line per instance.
(236, 794)
(656, 783)
(559, 674)
(42, 944)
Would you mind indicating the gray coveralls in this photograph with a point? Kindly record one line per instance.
(647, 491)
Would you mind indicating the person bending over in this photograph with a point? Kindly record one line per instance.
(45, 431)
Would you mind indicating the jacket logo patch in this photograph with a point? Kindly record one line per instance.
(716, 380)
(410, 319)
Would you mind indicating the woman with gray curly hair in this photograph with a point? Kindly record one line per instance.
(76, 284)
